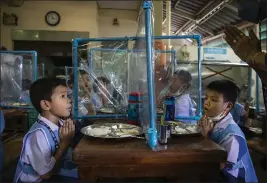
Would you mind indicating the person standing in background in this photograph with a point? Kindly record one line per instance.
(248, 48)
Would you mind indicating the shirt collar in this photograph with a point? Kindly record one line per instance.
(224, 122)
(49, 123)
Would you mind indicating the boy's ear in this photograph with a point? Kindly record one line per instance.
(229, 106)
(45, 105)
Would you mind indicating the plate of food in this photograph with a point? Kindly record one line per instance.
(179, 128)
(107, 110)
(159, 111)
(112, 130)
(20, 104)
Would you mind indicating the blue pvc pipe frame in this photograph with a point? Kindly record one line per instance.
(173, 54)
(152, 132)
(35, 72)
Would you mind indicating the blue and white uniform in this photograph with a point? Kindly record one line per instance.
(238, 112)
(184, 106)
(239, 164)
(38, 149)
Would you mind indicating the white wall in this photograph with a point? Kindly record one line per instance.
(127, 23)
(75, 16)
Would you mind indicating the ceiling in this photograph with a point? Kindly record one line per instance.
(205, 17)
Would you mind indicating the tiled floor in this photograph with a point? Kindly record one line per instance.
(13, 147)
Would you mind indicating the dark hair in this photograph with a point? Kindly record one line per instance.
(26, 84)
(58, 71)
(184, 75)
(97, 82)
(228, 89)
(83, 54)
(238, 90)
(42, 89)
(70, 81)
(83, 72)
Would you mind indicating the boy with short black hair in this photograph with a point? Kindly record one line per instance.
(178, 88)
(218, 124)
(101, 96)
(45, 150)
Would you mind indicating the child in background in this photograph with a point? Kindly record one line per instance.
(218, 125)
(86, 105)
(25, 95)
(180, 83)
(239, 112)
(46, 152)
(101, 96)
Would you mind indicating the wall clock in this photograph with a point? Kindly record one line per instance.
(52, 18)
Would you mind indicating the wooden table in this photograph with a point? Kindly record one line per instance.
(186, 158)
(15, 120)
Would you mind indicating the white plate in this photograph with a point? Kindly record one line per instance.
(111, 130)
(107, 110)
(184, 129)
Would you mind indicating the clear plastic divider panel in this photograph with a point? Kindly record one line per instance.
(182, 81)
(211, 71)
(18, 72)
(102, 78)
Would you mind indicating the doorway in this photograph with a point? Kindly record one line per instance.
(52, 56)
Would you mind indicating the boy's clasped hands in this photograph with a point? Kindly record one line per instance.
(67, 131)
(206, 125)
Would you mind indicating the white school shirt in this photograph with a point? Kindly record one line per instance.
(37, 153)
(183, 105)
(97, 101)
(231, 145)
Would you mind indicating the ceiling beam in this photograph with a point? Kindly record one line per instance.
(190, 21)
(183, 14)
(176, 4)
(205, 7)
(207, 15)
(181, 28)
(210, 32)
(164, 21)
(231, 7)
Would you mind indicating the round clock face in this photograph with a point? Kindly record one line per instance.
(52, 18)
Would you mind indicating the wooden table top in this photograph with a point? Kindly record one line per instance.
(13, 112)
(135, 151)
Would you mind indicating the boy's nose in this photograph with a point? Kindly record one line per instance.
(70, 100)
(206, 104)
